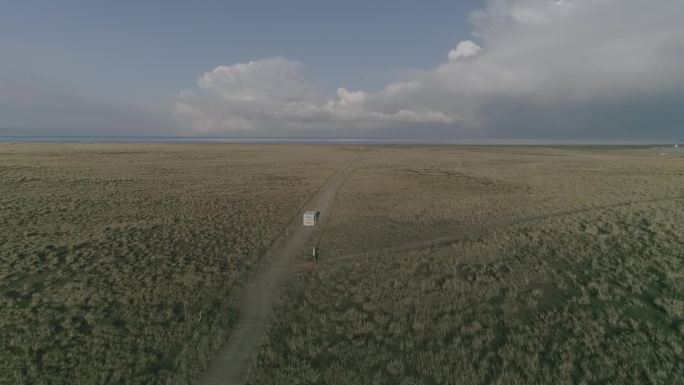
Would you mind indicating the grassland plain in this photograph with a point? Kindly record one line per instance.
(409, 194)
(578, 280)
(118, 261)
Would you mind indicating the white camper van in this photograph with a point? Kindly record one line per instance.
(310, 218)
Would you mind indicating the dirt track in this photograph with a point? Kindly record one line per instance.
(233, 361)
(444, 241)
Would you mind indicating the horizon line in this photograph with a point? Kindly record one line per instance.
(332, 140)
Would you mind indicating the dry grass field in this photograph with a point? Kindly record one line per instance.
(398, 195)
(117, 262)
(120, 264)
(566, 267)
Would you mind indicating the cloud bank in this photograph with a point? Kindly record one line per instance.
(38, 98)
(536, 68)
(272, 92)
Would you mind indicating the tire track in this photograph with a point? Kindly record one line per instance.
(444, 241)
(233, 361)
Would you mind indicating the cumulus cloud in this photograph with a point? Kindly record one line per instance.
(274, 79)
(464, 49)
(538, 67)
(271, 93)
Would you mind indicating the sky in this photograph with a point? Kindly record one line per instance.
(535, 69)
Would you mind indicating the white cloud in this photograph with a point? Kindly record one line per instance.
(274, 79)
(351, 99)
(273, 93)
(464, 49)
(564, 65)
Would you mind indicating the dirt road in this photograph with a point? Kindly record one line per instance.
(255, 309)
(444, 241)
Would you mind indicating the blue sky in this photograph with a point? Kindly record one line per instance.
(156, 48)
(486, 68)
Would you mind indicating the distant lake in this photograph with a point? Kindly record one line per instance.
(386, 141)
(204, 139)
